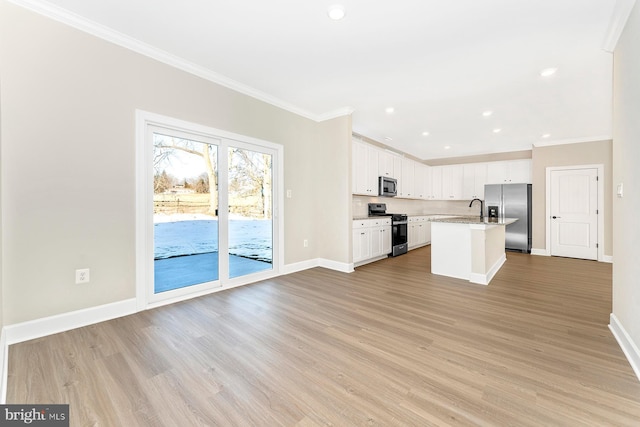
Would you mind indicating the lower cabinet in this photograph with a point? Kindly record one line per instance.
(419, 231)
(371, 239)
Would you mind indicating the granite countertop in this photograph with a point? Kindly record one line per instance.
(475, 220)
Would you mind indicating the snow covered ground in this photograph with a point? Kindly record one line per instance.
(190, 234)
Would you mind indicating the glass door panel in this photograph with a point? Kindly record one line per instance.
(250, 199)
(185, 213)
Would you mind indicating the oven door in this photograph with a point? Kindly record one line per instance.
(399, 236)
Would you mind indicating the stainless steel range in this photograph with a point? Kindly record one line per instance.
(399, 227)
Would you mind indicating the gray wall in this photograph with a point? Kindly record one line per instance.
(587, 153)
(626, 169)
(68, 103)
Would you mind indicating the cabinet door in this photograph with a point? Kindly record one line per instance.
(412, 233)
(497, 172)
(419, 181)
(428, 186)
(422, 233)
(365, 169)
(436, 182)
(520, 171)
(385, 164)
(406, 183)
(474, 179)
(468, 181)
(386, 239)
(372, 171)
(427, 231)
(361, 244)
(452, 182)
(376, 242)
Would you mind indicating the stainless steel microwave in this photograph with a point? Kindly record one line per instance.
(387, 186)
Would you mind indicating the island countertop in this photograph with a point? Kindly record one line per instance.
(475, 220)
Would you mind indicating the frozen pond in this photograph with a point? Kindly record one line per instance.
(189, 234)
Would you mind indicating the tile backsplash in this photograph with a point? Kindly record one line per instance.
(414, 207)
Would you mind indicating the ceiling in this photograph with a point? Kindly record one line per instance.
(439, 64)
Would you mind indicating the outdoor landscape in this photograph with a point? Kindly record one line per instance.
(186, 221)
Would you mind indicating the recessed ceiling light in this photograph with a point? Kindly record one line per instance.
(548, 72)
(546, 135)
(336, 12)
(425, 133)
(497, 130)
(487, 113)
(446, 147)
(389, 110)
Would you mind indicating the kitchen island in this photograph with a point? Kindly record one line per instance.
(470, 248)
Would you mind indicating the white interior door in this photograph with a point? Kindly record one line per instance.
(574, 213)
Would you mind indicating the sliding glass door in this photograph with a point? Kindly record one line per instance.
(250, 221)
(212, 222)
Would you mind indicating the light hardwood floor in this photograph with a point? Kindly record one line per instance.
(389, 344)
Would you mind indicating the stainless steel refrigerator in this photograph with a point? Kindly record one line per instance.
(511, 201)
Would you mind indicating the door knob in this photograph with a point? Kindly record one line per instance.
(554, 217)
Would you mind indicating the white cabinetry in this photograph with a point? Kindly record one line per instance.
(452, 182)
(474, 179)
(365, 169)
(406, 182)
(509, 172)
(419, 231)
(436, 183)
(420, 181)
(371, 239)
(386, 167)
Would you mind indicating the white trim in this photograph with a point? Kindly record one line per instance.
(608, 258)
(573, 141)
(145, 123)
(601, 178)
(4, 366)
(318, 262)
(540, 252)
(484, 279)
(629, 348)
(37, 328)
(103, 32)
(621, 12)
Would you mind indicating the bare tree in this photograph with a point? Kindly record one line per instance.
(250, 173)
(164, 146)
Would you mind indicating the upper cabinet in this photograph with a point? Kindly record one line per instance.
(406, 181)
(509, 172)
(386, 165)
(474, 177)
(436, 183)
(364, 169)
(452, 182)
(419, 181)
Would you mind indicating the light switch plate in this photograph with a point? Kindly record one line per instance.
(620, 191)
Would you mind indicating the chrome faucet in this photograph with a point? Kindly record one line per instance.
(481, 207)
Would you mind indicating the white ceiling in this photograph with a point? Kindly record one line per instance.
(438, 63)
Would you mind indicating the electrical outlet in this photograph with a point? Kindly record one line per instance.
(82, 276)
(305, 243)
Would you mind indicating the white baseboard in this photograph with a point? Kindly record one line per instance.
(541, 252)
(318, 262)
(629, 348)
(484, 279)
(37, 328)
(608, 258)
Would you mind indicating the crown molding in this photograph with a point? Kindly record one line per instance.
(103, 32)
(572, 141)
(621, 12)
